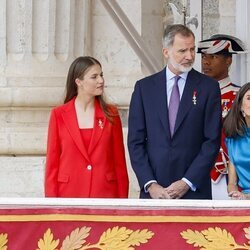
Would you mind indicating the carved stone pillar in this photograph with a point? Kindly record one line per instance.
(242, 62)
(38, 41)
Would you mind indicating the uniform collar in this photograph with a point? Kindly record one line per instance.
(225, 82)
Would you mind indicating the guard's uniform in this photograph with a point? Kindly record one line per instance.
(221, 44)
(228, 94)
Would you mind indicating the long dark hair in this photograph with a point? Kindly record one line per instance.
(235, 123)
(78, 69)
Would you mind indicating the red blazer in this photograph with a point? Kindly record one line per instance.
(73, 171)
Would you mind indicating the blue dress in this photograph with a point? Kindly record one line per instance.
(239, 155)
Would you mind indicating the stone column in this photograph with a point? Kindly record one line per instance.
(39, 39)
(242, 62)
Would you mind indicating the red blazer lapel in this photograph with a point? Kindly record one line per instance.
(99, 125)
(70, 120)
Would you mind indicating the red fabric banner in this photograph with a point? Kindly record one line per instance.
(124, 229)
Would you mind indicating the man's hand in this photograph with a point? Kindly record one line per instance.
(177, 189)
(156, 191)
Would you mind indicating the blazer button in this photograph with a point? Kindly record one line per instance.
(89, 167)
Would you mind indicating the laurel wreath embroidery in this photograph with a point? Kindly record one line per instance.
(116, 238)
(3, 241)
(125, 239)
(214, 239)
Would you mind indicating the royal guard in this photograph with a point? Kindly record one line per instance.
(217, 54)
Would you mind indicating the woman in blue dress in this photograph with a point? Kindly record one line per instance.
(237, 131)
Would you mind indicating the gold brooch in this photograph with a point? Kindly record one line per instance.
(100, 123)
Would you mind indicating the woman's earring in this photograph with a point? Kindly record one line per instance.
(243, 113)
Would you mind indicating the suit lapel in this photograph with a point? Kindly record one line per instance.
(187, 97)
(100, 121)
(161, 99)
(70, 120)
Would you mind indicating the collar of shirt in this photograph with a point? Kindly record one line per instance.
(224, 82)
(170, 82)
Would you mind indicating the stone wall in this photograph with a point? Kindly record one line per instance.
(38, 42)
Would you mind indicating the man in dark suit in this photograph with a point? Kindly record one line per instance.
(175, 124)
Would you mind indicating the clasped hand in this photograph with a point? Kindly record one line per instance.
(174, 191)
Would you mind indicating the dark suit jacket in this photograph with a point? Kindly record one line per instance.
(192, 150)
(72, 170)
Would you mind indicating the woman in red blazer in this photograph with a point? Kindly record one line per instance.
(85, 150)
